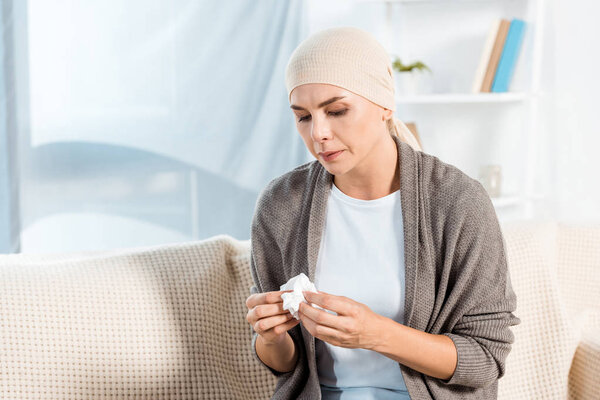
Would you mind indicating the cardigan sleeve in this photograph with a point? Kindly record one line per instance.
(264, 254)
(481, 334)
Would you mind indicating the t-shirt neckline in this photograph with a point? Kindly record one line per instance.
(390, 198)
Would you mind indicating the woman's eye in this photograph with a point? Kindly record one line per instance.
(341, 112)
(336, 113)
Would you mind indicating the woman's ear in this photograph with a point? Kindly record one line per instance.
(387, 114)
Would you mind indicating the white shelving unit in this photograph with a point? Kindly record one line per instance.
(455, 98)
(526, 98)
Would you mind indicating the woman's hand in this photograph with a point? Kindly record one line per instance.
(355, 326)
(267, 316)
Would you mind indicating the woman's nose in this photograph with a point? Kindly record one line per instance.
(320, 130)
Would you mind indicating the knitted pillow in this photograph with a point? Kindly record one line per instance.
(156, 322)
(538, 365)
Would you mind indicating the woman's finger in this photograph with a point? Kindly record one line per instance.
(265, 310)
(265, 298)
(324, 318)
(290, 324)
(264, 324)
(282, 328)
(341, 305)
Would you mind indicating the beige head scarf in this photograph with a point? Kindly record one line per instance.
(352, 59)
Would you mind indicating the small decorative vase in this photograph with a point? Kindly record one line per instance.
(490, 177)
(413, 82)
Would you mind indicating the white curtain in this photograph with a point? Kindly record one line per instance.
(146, 122)
(9, 189)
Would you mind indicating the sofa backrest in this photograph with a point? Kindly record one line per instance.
(539, 361)
(578, 272)
(158, 322)
(169, 320)
(555, 271)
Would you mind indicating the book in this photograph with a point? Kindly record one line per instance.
(509, 57)
(485, 56)
(495, 54)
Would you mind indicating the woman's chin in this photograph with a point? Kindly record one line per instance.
(333, 169)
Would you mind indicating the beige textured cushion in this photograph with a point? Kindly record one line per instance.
(578, 261)
(555, 272)
(584, 382)
(155, 322)
(545, 342)
(578, 252)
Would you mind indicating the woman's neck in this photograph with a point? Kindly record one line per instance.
(377, 177)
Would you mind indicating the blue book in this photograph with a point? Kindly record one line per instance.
(508, 59)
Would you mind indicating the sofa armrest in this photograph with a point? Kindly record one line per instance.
(585, 368)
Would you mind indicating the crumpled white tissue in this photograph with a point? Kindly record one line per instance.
(292, 300)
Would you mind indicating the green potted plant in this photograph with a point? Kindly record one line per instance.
(412, 78)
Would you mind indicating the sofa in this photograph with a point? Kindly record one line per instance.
(168, 321)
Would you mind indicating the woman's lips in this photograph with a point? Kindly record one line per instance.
(331, 156)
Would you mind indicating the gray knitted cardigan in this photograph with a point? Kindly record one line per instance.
(457, 278)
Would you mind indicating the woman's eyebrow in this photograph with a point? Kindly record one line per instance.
(323, 104)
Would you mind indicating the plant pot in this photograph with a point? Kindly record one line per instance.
(413, 82)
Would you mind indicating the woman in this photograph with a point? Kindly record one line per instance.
(405, 250)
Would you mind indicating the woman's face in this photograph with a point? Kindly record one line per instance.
(330, 118)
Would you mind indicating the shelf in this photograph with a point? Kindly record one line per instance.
(457, 98)
(423, 1)
(512, 200)
(526, 95)
(505, 201)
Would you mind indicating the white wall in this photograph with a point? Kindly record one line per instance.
(576, 112)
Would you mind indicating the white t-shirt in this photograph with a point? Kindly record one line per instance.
(361, 256)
